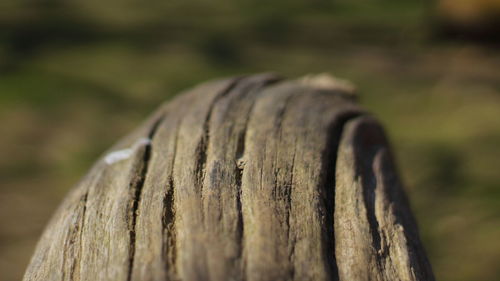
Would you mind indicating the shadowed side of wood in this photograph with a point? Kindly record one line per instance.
(250, 178)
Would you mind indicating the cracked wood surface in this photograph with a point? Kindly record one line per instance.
(249, 178)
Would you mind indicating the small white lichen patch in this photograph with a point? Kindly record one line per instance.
(123, 154)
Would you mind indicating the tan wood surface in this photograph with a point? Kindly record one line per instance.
(249, 178)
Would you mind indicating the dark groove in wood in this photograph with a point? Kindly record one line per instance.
(201, 149)
(287, 188)
(84, 212)
(292, 250)
(368, 177)
(73, 231)
(239, 167)
(136, 184)
(329, 166)
(169, 235)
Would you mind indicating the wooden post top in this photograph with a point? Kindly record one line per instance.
(247, 178)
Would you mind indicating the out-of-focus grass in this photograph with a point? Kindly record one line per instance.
(75, 76)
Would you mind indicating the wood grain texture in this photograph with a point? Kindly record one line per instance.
(249, 178)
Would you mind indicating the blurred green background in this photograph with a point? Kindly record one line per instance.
(77, 75)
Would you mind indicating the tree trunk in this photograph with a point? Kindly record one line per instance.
(252, 178)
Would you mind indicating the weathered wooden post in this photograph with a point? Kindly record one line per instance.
(251, 178)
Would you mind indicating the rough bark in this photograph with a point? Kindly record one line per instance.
(250, 178)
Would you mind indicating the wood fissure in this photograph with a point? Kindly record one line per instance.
(240, 166)
(170, 249)
(136, 184)
(78, 257)
(367, 176)
(168, 218)
(292, 250)
(371, 182)
(287, 186)
(74, 235)
(329, 163)
(201, 149)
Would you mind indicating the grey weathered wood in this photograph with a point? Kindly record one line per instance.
(251, 178)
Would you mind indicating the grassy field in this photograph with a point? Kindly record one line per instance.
(77, 75)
